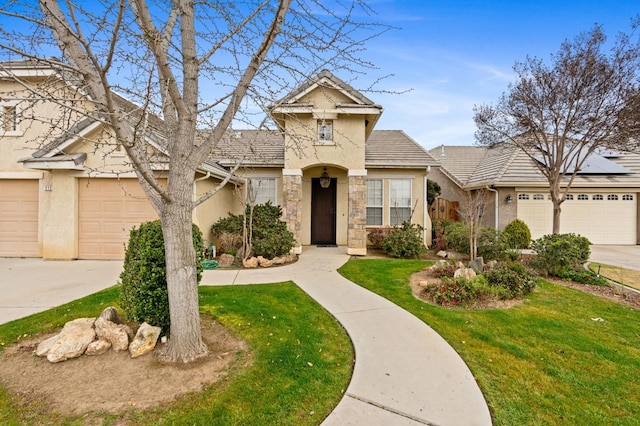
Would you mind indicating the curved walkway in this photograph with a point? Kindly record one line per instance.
(404, 374)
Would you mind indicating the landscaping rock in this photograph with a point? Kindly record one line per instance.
(44, 346)
(460, 265)
(279, 260)
(263, 262)
(443, 254)
(439, 264)
(145, 340)
(252, 262)
(97, 347)
(490, 265)
(477, 264)
(465, 274)
(73, 340)
(226, 260)
(116, 334)
(111, 314)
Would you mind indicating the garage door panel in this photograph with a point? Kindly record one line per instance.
(19, 218)
(108, 209)
(601, 221)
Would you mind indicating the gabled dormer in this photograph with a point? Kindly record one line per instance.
(325, 120)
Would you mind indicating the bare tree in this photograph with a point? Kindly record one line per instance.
(471, 210)
(560, 113)
(186, 66)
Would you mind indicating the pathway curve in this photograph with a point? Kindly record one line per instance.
(404, 374)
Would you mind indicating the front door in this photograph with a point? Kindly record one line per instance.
(323, 212)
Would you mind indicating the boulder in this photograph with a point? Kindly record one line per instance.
(97, 347)
(116, 334)
(460, 265)
(226, 260)
(263, 262)
(72, 340)
(443, 254)
(279, 260)
(44, 346)
(111, 314)
(477, 264)
(145, 340)
(490, 265)
(251, 262)
(465, 274)
(439, 264)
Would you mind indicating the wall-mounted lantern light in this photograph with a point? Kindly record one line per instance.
(325, 180)
(509, 199)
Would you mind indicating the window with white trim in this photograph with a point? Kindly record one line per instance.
(399, 201)
(9, 119)
(374, 202)
(612, 197)
(325, 131)
(261, 190)
(627, 197)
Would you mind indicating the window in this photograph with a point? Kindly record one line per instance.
(374, 202)
(583, 197)
(612, 197)
(523, 196)
(262, 190)
(538, 197)
(627, 197)
(325, 131)
(597, 197)
(569, 197)
(399, 201)
(9, 119)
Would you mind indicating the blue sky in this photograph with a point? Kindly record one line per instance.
(455, 54)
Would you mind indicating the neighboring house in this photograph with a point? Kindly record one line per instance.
(71, 193)
(602, 203)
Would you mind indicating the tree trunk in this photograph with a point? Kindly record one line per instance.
(185, 340)
(556, 216)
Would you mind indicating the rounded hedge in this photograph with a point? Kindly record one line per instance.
(143, 281)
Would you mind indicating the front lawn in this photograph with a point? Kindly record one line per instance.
(300, 362)
(563, 357)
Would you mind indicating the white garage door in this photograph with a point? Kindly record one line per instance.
(18, 218)
(108, 209)
(604, 218)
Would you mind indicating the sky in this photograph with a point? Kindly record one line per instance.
(455, 54)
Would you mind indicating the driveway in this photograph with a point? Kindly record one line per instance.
(623, 256)
(28, 286)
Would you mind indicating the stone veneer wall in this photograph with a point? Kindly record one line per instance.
(292, 207)
(357, 233)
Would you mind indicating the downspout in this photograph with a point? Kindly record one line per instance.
(496, 203)
(425, 213)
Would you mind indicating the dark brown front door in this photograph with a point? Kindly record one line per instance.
(323, 212)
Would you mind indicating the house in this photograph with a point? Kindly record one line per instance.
(70, 192)
(602, 203)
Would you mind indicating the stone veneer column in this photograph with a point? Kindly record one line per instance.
(357, 233)
(292, 204)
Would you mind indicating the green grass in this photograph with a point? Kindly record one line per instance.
(628, 277)
(544, 362)
(301, 361)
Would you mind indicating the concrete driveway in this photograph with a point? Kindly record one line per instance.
(28, 286)
(623, 256)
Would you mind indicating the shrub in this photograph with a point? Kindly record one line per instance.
(404, 242)
(584, 277)
(517, 234)
(451, 292)
(143, 281)
(443, 271)
(559, 253)
(492, 245)
(457, 237)
(377, 235)
(514, 278)
(231, 224)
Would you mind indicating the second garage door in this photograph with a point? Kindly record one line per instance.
(18, 218)
(108, 209)
(604, 218)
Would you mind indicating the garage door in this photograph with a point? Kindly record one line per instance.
(108, 209)
(604, 218)
(18, 218)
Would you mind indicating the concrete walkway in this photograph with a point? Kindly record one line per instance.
(404, 374)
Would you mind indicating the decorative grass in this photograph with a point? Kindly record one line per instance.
(544, 362)
(301, 361)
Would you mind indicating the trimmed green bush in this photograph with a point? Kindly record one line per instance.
(513, 277)
(143, 281)
(452, 292)
(377, 235)
(584, 277)
(517, 234)
(557, 254)
(405, 242)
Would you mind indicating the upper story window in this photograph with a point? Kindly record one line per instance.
(9, 120)
(399, 201)
(261, 190)
(325, 131)
(374, 202)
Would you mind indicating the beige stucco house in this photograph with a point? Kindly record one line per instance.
(70, 192)
(602, 203)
